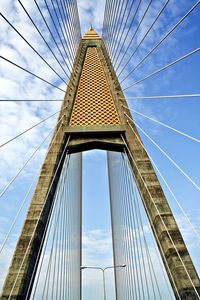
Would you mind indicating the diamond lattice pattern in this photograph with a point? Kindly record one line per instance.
(94, 104)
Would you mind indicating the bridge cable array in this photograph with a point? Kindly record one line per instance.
(165, 226)
(167, 156)
(31, 185)
(121, 50)
(66, 33)
(61, 276)
(140, 280)
(192, 227)
(34, 153)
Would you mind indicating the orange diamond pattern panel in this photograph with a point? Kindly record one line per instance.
(93, 104)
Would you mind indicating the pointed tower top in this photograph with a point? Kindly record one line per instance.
(91, 34)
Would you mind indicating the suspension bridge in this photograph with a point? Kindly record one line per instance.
(96, 83)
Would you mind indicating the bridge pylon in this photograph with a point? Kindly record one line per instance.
(94, 116)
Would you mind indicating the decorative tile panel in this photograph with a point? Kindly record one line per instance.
(93, 104)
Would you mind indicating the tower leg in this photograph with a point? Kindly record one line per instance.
(177, 261)
(24, 263)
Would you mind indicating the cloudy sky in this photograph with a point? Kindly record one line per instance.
(183, 114)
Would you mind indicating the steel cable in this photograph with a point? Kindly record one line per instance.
(165, 36)
(163, 124)
(166, 155)
(120, 27)
(23, 260)
(52, 35)
(171, 240)
(31, 73)
(143, 38)
(171, 192)
(160, 247)
(127, 33)
(161, 69)
(41, 35)
(134, 34)
(122, 33)
(112, 33)
(63, 29)
(58, 34)
(59, 22)
(25, 40)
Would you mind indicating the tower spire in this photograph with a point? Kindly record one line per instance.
(91, 34)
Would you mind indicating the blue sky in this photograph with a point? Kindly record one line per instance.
(183, 114)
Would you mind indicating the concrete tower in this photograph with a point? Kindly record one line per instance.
(93, 118)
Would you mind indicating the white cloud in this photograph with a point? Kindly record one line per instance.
(91, 13)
